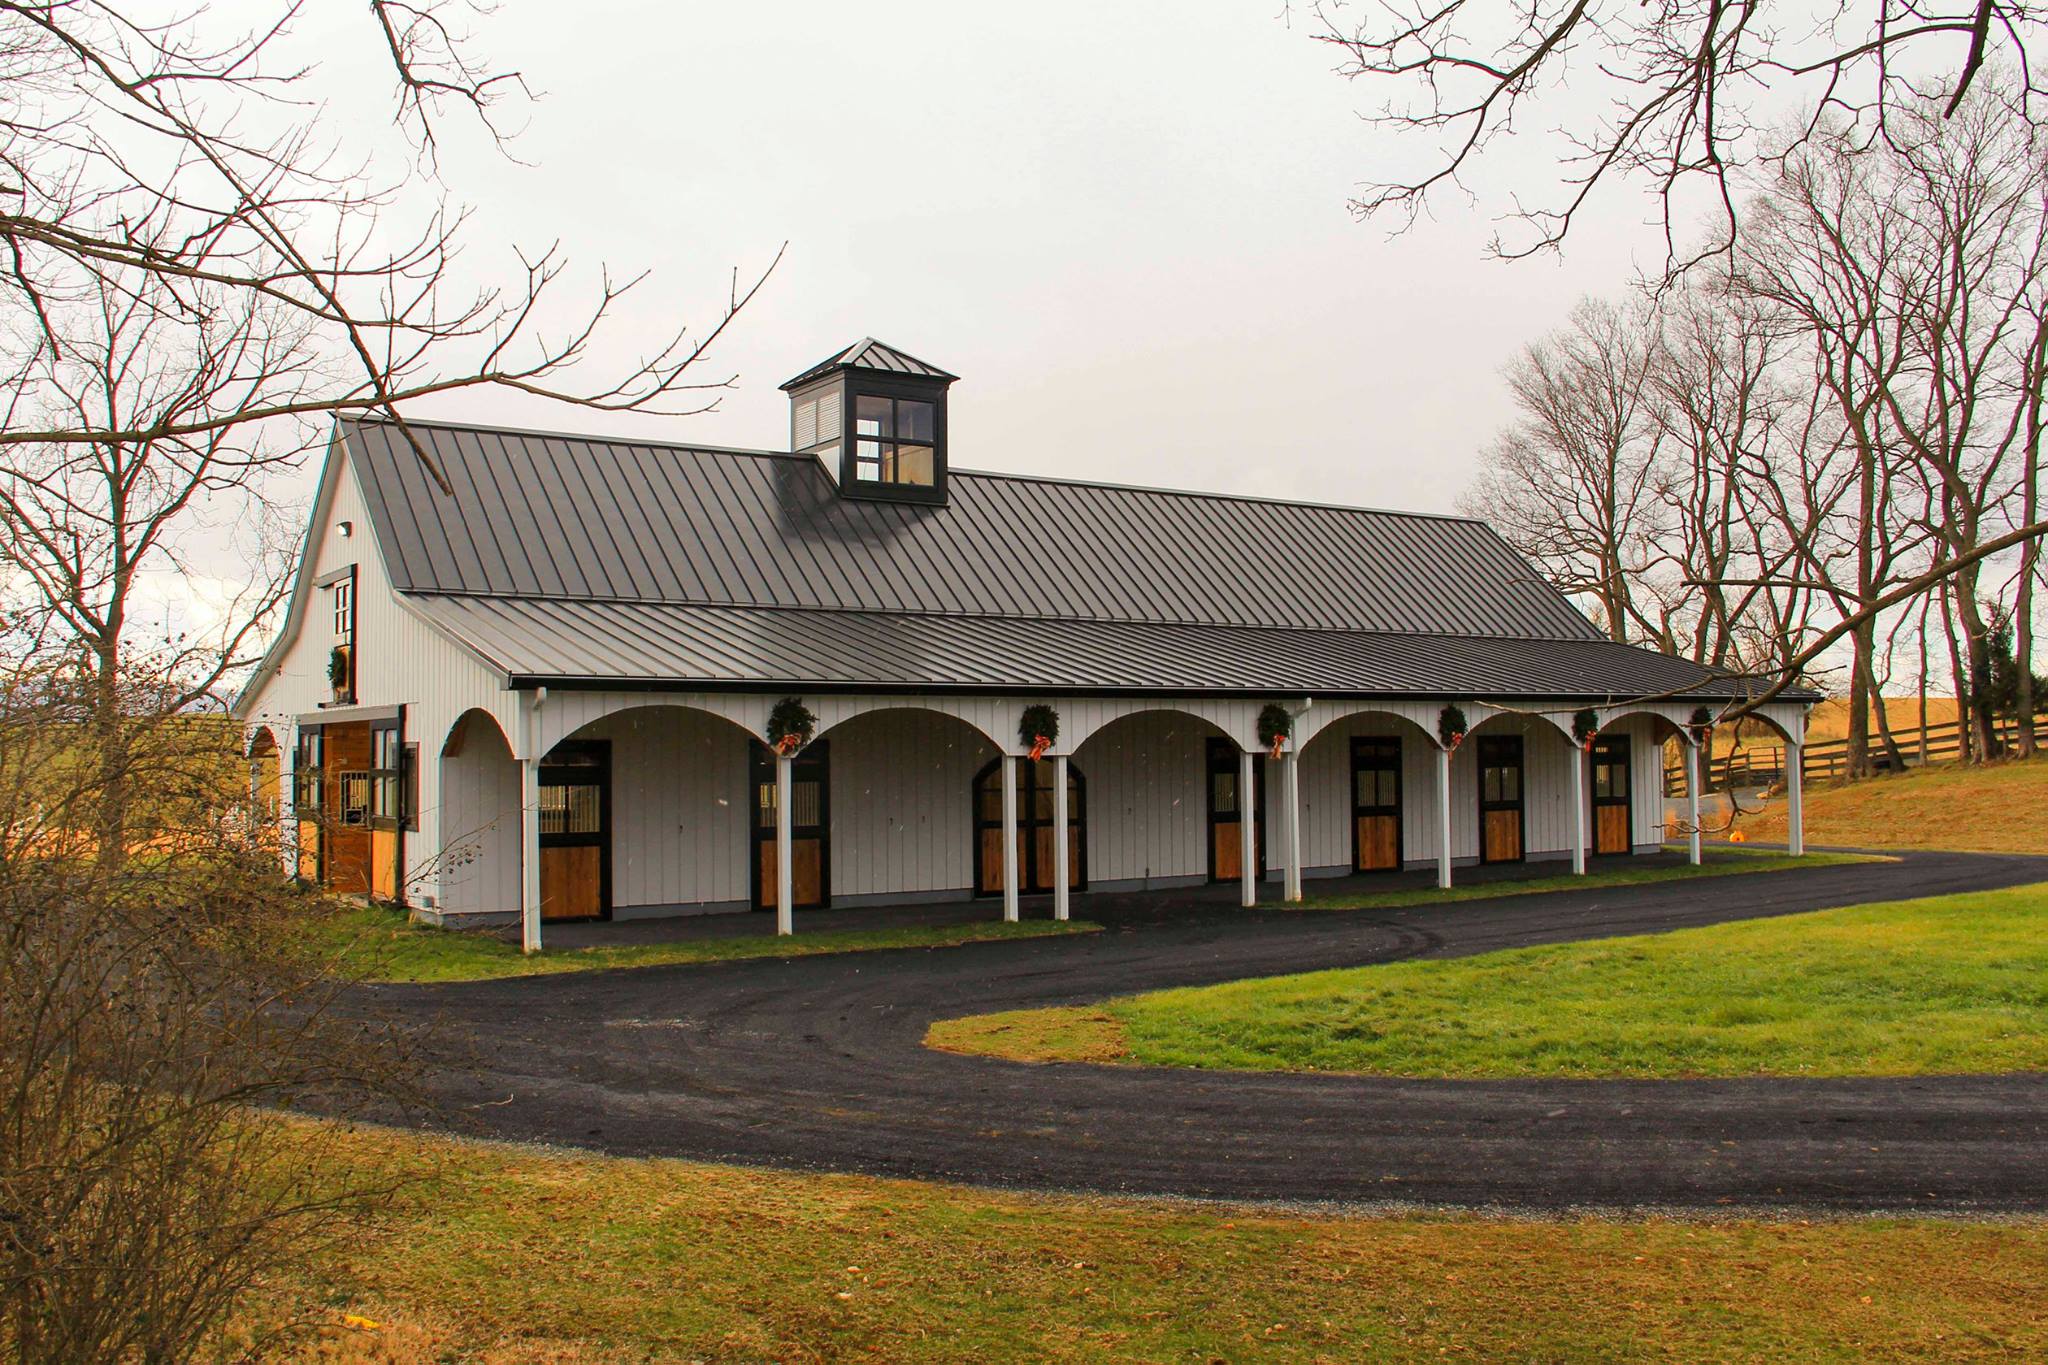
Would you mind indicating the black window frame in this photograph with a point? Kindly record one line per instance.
(859, 385)
(1028, 819)
(1504, 744)
(1379, 754)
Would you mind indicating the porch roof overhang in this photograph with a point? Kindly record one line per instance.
(558, 642)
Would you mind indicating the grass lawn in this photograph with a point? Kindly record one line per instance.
(508, 1254)
(378, 944)
(1719, 861)
(1950, 984)
(1987, 808)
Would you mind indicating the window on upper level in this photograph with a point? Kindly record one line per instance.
(345, 610)
(894, 441)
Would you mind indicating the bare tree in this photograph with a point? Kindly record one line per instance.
(1573, 483)
(1678, 95)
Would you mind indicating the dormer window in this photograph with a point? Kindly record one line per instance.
(875, 418)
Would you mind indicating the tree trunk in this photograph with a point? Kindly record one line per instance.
(1965, 749)
(1857, 750)
(111, 751)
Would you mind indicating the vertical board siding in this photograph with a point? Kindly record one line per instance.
(1326, 790)
(479, 822)
(681, 806)
(903, 803)
(1147, 810)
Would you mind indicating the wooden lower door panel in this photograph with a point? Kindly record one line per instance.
(806, 873)
(1379, 843)
(1610, 829)
(1503, 836)
(309, 851)
(572, 882)
(1229, 858)
(384, 846)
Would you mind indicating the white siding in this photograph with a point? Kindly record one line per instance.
(478, 824)
(680, 807)
(902, 808)
(1147, 810)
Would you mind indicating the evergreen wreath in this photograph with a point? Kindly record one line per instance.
(337, 669)
(1450, 726)
(1275, 726)
(790, 725)
(1038, 729)
(1701, 724)
(1585, 725)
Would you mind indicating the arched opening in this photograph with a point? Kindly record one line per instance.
(266, 791)
(1037, 828)
(1509, 753)
(1366, 784)
(899, 801)
(475, 863)
(658, 810)
(1626, 779)
(1164, 805)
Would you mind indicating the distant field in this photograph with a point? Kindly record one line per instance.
(1983, 808)
(507, 1254)
(1946, 985)
(1830, 720)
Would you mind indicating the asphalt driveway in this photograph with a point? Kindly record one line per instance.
(817, 1064)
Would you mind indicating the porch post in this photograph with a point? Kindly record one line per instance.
(785, 893)
(1248, 826)
(1010, 837)
(1291, 768)
(1795, 799)
(1579, 757)
(1061, 872)
(1443, 818)
(1692, 801)
(529, 853)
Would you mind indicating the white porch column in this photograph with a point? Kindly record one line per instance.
(1579, 757)
(1248, 826)
(1692, 801)
(1795, 799)
(1443, 818)
(529, 852)
(1061, 872)
(785, 892)
(1291, 768)
(1010, 837)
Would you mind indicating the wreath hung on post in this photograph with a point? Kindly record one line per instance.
(1039, 729)
(1275, 725)
(1451, 727)
(1585, 726)
(790, 725)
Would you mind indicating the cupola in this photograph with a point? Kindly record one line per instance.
(876, 418)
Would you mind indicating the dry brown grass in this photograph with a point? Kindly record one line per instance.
(516, 1255)
(1978, 808)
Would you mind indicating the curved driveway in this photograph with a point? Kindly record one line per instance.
(817, 1063)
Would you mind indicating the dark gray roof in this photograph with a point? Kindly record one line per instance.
(561, 517)
(870, 354)
(636, 644)
(564, 559)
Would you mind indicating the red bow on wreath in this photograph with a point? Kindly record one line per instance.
(1279, 743)
(789, 744)
(1039, 744)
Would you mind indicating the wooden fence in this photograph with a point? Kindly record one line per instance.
(1763, 765)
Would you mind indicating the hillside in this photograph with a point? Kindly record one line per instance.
(1992, 808)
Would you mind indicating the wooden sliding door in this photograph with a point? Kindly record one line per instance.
(575, 831)
(1376, 804)
(1500, 799)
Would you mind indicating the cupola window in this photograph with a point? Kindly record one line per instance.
(893, 440)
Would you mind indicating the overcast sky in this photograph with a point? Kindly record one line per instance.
(1123, 226)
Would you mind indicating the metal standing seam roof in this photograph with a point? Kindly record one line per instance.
(870, 354)
(638, 644)
(581, 559)
(562, 517)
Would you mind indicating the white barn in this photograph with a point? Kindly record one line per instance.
(550, 691)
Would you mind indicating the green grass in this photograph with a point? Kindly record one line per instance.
(505, 1254)
(379, 944)
(1950, 984)
(1722, 861)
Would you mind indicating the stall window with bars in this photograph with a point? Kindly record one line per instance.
(571, 808)
(805, 811)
